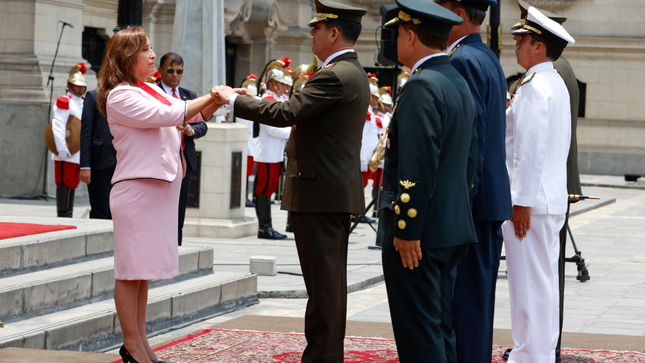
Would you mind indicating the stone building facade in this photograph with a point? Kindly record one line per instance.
(608, 58)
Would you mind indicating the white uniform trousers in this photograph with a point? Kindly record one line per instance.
(532, 265)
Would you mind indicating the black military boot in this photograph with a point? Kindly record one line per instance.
(63, 208)
(263, 211)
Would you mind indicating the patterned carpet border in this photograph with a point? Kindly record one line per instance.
(239, 346)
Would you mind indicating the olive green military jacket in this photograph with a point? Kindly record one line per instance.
(323, 151)
(431, 161)
(573, 175)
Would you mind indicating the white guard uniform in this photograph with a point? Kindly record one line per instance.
(250, 144)
(538, 133)
(271, 141)
(370, 139)
(59, 128)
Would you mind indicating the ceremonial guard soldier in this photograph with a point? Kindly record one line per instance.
(269, 151)
(538, 135)
(429, 170)
(63, 138)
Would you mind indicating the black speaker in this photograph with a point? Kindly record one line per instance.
(387, 53)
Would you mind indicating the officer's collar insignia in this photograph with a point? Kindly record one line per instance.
(453, 49)
(416, 70)
(407, 184)
(527, 79)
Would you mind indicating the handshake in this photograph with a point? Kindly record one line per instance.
(221, 95)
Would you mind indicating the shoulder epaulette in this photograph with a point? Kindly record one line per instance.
(453, 49)
(527, 79)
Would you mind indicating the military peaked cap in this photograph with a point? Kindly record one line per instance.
(330, 10)
(524, 8)
(540, 24)
(425, 14)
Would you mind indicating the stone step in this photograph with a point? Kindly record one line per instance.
(71, 285)
(31, 253)
(95, 326)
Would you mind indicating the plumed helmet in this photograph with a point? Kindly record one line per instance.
(386, 97)
(76, 75)
(300, 82)
(275, 71)
(373, 84)
(250, 83)
(402, 78)
(307, 68)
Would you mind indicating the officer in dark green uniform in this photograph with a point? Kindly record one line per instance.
(429, 171)
(324, 184)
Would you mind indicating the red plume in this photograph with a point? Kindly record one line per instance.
(371, 74)
(389, 89)
(156, 76)
(252, 76)
(405, 71)
(286, 61)
(83, 67)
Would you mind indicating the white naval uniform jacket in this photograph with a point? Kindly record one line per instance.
(271, 141)
(538, 133)
(59, 128)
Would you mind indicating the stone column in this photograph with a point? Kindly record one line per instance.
(198, 36)
(215, 217)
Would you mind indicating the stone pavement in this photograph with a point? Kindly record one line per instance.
(608, 232)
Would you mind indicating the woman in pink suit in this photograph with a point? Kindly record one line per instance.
(146, 125)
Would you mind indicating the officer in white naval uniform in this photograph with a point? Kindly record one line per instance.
(269, 151)
(538, 132)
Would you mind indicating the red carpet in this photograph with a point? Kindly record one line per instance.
(232, 346)
(11, 230)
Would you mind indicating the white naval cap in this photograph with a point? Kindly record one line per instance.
(540, 24)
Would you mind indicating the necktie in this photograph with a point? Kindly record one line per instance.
(183, 144)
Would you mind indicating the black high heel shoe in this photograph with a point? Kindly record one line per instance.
(125, 355)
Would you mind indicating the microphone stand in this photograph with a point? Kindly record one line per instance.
(50, 79)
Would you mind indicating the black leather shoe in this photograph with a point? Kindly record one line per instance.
(125, 355)
(289, 229)
(366, 219)
(506, 353)
(249, 204)
(270, 233)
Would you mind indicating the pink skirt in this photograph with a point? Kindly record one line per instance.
(145, 216)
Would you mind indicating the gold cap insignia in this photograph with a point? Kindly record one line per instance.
(405, 197)
(412, 212)
(408, 18)
(407, 184)
(401, 224)
(397, 210)
(323, 16)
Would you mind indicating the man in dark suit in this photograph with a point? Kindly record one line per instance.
(171, 70)
(98, 158)
(429, 169)
(324, 184)
(474, 298)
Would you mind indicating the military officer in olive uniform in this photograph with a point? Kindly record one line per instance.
(428, 174)
(324, 184)
(474, 298)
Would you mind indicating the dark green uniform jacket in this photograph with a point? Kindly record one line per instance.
(573, 175)
(431, 162)
(323, 151)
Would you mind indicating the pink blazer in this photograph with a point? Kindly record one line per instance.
(147, 142)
